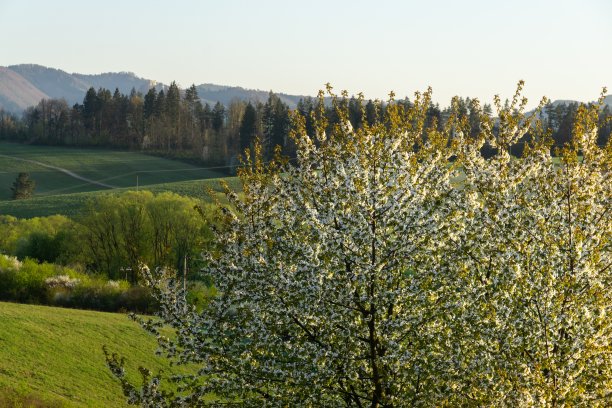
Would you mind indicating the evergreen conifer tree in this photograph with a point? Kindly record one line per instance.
(23, 187)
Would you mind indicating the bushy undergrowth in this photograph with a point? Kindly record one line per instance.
(43, 283)
(199, 294)
(48, 239)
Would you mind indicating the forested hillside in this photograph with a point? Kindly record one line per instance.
(176, 123)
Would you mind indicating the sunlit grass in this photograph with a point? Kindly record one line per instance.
(55, 355)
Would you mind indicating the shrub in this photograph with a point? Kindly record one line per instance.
(48, 239)
(199, 294)
(26, 282)
(39, 245)
(45, 283)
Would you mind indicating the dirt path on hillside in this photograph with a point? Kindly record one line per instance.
(60, 169)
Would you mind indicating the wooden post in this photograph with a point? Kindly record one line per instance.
(185, 274)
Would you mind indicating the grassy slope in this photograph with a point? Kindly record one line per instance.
(55, 355)
(72, 204)
(110, 167)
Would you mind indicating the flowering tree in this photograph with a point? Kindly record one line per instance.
(329, 293)
(533, 268)
(369, 275)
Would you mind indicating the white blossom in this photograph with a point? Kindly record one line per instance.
(368, 275)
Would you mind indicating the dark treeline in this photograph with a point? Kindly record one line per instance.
(172, 122)
(175, 123)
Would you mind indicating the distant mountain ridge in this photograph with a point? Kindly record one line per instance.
(25, 85)
(16, 92)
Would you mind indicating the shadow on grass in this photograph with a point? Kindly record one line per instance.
(10, 398)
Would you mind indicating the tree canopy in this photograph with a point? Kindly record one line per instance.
(395, 265)
(23, 187)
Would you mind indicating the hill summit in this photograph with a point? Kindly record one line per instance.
(24, 85)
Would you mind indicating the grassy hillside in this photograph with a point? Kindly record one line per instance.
(113, 168)
(54, 357)
(72, 204)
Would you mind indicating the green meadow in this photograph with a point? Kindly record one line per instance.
(115, 169)
(59, 193)
(53, 357)
(72, 204)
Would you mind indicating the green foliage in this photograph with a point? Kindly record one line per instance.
(44, 283)
(248, 127)
(25, 282)
(199, 294)
(41, 246)
(16, 232)
(107, 296)
(23, 187)
(48, 239)
(275, 121)
(119, 232)
(124, 231)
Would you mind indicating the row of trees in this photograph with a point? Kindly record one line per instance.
(91, 261)
(121, 232)
(115, 235)
(175, 122)
(170, 121)
(365, 276)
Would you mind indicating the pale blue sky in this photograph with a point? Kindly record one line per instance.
(561, 48)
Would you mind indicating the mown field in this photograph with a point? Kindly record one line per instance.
(59, 193)
(53, 357)
(116, 169)
(72, 204)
